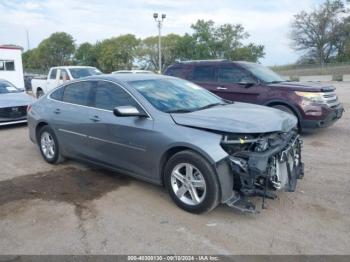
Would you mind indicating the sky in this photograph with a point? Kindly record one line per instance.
(267, 21)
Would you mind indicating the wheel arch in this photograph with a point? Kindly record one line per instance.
(38, 127)
(174, 150)
(286, 104)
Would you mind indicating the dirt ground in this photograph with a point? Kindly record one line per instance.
(75, 209)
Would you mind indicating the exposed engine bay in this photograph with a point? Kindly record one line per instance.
(262, 164)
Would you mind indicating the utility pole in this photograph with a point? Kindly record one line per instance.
(27, 33)
(159, 24)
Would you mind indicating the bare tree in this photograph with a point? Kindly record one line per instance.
(317, 33)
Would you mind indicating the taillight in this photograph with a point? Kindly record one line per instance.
(28, 108)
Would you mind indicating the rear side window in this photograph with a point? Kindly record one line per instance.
(79, 93)
(109, 95)
(233, 75)
(204, 74)
(57, 94)
(176, 71)
(53, 74)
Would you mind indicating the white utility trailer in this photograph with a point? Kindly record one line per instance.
(11, 68)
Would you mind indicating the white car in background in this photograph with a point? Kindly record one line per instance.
(59, 75)
(133, 72)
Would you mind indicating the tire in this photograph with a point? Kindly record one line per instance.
(290, 111)
(204, 181)
(48, 145)
(39, 93)
(284, 109)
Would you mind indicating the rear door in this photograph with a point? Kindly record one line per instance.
(237, 84)
(71, 118)
(121, 142)
(205, 76)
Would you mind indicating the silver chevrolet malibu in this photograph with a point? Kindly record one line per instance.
(171, 132)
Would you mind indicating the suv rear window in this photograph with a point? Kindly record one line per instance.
(204, 74)
(176, 71)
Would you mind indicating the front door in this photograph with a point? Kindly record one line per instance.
(237, 84)
(205, 76)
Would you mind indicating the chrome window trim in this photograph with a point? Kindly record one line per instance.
(88, 80)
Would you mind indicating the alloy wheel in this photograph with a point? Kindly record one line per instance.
(47, 145)
(188, 184)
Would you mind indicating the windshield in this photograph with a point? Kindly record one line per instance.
(263, 73)
(6, 87)
(175, 95)
(83, 72)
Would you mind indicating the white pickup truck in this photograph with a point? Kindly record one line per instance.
(59, 75)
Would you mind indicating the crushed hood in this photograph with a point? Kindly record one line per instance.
(15, 99)
(238, 118)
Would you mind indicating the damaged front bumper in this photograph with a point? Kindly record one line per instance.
(262, 173)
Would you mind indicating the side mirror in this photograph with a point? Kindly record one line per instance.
(125, 111)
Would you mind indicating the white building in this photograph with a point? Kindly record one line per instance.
(11, 68)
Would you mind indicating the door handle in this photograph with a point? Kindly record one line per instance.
(221, 88)
(95, 118)
(57, 111)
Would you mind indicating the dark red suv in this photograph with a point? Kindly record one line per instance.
(314, 104)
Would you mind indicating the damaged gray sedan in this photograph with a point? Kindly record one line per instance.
(171, 132)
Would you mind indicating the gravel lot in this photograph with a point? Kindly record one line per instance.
(75, 209)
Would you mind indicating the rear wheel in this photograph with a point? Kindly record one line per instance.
(49, 146)
(192, 182)
(39, 93)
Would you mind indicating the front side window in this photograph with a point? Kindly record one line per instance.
(79, 93)
(109, 95)
(64, 75)
(53, 74)
(234, 75)
(175, 95)
(204, 74)
(263, 73)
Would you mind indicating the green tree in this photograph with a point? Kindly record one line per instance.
(117, 53)
(57, 50)
(86, 54)
(318, 32)
(148, 51)
(224, 41)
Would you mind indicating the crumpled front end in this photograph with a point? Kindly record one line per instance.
(262, 164)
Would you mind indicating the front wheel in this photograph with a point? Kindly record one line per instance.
(192, 182)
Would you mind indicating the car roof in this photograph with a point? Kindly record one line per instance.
(63, 67)
(133, 71)
(209, 62)
(128, 77)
